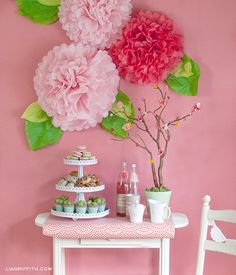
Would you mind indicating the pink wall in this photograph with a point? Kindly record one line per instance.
(201, 159)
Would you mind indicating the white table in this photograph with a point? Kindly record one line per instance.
(59, 245)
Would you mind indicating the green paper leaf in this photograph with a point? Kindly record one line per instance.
(50, 2)
(114, 124)
(184, 68)
(127, 110)
(34, 113)
(41, 134)
(184, 79)
(37, 12)
(121, 113)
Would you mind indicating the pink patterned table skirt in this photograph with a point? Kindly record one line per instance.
(106, 228)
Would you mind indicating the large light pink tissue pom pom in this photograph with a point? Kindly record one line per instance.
(76, 85)
(96, 22)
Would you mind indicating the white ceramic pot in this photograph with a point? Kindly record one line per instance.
(159, 196)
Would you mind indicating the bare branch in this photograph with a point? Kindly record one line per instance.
(145, 105)
(164, 107)
(149, 133)
(158, 139)
(173, 122)
(140, 128)
(145, 125)
(162, 157)
(154, 175)
(139, 145)
(162, 135)
(157, 109)
(162, 96)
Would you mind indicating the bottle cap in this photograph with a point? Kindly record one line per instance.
(133, 165)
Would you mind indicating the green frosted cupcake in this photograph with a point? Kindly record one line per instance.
(59, 205)
(101, 204)
(69, 206)
(92, 207)
(80, 207)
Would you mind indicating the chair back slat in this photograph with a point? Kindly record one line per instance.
(226, 246)
(220, 247)
(222, 215)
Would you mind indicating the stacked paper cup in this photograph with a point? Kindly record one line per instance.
(131, 199)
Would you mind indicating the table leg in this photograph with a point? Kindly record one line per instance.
(58, 258)
(164, 257)
(63, 261)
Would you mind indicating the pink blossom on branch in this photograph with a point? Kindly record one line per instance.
(197, 107)
(72, 88)
(149, 48)
(94, 22)
(126, 127)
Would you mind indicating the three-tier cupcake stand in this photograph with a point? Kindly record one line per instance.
(80, 191)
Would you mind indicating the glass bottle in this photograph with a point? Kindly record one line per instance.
(121, 191)
(133, 182)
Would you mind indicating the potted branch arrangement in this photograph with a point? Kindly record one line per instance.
(160, 137)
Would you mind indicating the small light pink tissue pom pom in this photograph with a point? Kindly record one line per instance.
(76, 85)
(94, 22)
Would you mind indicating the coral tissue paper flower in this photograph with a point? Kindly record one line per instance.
(76, 85)
(149, 48)
(96, 22)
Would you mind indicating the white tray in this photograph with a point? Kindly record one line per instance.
(81, 189)
(76, 216)
(80, 162)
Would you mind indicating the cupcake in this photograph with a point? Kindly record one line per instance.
(92, 207)
(69, 206)
(59, 204)
(101, 204)
(80, 207)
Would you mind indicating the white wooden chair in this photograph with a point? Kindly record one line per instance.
(219, 242)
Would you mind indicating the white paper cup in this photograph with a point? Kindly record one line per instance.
(129, 200)
(136, 212)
